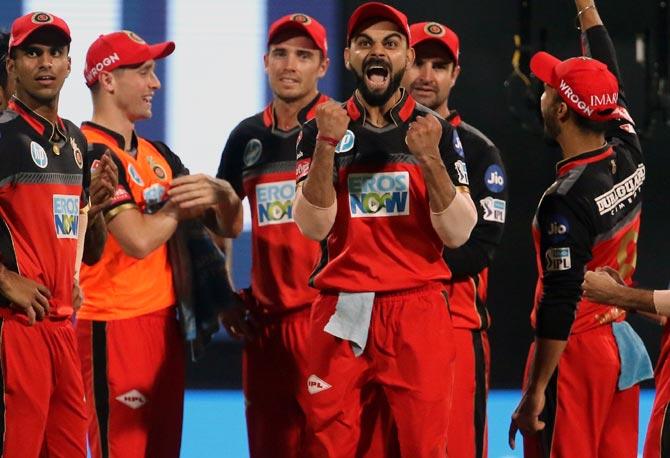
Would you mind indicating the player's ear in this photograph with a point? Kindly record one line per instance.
(106, 81)
(323, 66)
(347, 54)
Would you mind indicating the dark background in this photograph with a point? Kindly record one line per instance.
(486, 29)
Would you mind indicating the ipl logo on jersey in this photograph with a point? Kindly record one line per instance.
(274, 202)
(378, 194)
(66, 216)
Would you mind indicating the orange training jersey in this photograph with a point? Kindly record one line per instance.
(120, 286)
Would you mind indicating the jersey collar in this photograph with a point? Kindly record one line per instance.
(39, 123)
(398, 114)
(588, 157)
(115, 137)
(304, 115)
(454, 118)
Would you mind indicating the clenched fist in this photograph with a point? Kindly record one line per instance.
(332, 120)
(423, 137)
(601, 285)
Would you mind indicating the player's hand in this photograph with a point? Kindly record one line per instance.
(601, 285)
(332, 120)
(423, 137)
(104, 180)
(526, 417)
(25, 295)
(238, 321)
(194, 194)
(77, 296)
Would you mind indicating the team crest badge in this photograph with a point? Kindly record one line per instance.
(42, 18)
(135, 37)
(434, 29)
(78, 157)
(302, 18)
(134, 175)
(156, 167)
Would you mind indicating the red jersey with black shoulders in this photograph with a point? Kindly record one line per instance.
(382, 239)
(589, 217)
(41, 193)
(259, 162)
(470, 262)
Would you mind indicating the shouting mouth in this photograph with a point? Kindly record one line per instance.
(377, 76)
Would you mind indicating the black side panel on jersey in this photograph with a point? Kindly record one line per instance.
(232, 157)
(177, 166)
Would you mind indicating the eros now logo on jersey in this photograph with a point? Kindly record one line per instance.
(274, 202)
(66, 216)
(378, 194)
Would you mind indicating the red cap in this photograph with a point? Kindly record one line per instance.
(585, 84)
(377, 10)
(120, 49)
(432, 31)
(24, 26)
(298, 21)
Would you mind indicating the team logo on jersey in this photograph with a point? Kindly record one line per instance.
(66, 216)
(252, 152)
(458, 146)
(133, 399)
(347, 142)
(558, 228)
(558, 259)
(494, 178)
(274, 202)
(316, 385)
(378, 194)
(622, 193)
(39, 155)
(156, 167)
(462, 171)
(78, 157)
(494, 209)
(134, 174)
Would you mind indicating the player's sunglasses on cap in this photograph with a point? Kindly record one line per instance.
(29, 23)
(376, 10)
(432, 31)
(121, 49)
(586, 85)
(302, 23)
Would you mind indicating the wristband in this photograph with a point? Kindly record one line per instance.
(330, 140)
(582, 11)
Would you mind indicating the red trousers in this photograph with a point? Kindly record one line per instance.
(657, 442)
(133, 373)
(409, 355)
(42, 403)
(585, 414)
(468, 435)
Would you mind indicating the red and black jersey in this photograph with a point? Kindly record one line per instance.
(469, 263)
(40, 196)
(259, 162)
(382, 239)
(589, 217)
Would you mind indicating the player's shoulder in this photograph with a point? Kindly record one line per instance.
(252, 126)
(9, 120)
(471, 134)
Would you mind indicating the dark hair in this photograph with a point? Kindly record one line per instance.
(4, 46)
(588, 125)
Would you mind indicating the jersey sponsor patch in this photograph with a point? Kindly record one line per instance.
(622, 193)
(558, 259)
(458, 146)
(66, 216)
(347, 142)
(134, 175)
(494, 178)
(462, 171)
(302, 168)
(558, 228)
(39, 156)
(252, 152)
(274, 202)
(133, 399)
(494, 209)
(158, 170)
(378, 194)
(121, 195)
(316, 385)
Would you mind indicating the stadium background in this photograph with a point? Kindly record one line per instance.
(215, 79)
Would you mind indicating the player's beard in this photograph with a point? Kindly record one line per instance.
(551, 127)
(373, 98)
